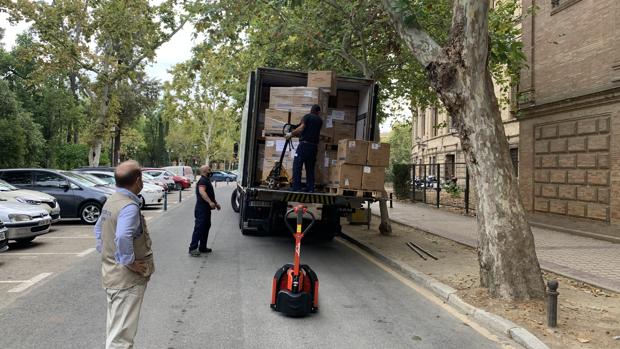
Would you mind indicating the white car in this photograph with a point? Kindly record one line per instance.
(45, 201)
(24, 222)
(161, 175)
(151, 194)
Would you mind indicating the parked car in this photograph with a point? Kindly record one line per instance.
(48, 202)
(4, 237)
(24, 222)
(78, 198)
(147, 178)
(162, 175)
(183, 171)
(221, 176)
(151, 194)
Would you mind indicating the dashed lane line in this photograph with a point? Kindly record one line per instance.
(65, 237)
(28, 283)
(78, 254)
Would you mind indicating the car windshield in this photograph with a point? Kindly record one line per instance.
(79, 179)
(147, 176)
(170, 174)
(95, 179)
(4, 186)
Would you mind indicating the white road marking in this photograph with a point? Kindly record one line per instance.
(39, 254)
(13, 281)
(26, 284)
(65, 237)
(85, 252)
(429, 295)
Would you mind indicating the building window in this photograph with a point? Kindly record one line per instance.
(434, 122)
(559, 5)
(423, 124)
(514, 156)
(449, 166)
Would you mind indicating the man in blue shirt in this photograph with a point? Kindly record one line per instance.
(309, 132)
(126, 256)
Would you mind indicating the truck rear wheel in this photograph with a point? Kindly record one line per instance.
(235, 200)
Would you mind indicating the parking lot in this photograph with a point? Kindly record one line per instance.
(23, 267)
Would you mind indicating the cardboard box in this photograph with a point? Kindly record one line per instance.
(346, 176)
(323, 79)
(298, 98)
(337, 130)
(276, 119)
(274, 146)
(378, 154)
(373, 178)
(352, 152)
(347, 99)
(347, 115)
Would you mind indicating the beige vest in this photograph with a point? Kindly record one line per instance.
(114, 275)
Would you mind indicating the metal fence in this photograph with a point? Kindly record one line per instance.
(441, 185)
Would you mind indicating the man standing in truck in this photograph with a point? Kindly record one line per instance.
(308, 131)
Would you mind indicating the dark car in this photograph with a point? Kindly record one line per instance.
(78, 198)
(221, 176)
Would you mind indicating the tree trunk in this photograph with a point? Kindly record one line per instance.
(459, 73)
(117, 146)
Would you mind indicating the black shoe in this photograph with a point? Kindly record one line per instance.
(194, 253)
(205, 250)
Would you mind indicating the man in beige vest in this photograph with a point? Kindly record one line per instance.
(126, 256)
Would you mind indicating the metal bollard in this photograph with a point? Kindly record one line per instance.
(391, 205)
(552, 303)
(180, 196)
(165, 201)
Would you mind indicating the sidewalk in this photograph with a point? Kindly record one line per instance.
(593, 261)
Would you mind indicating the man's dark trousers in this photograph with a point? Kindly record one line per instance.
(305, 156)
(202, 225)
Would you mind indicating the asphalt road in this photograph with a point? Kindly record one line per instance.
(221, 300)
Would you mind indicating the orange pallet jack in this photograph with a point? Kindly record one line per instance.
(295, 290)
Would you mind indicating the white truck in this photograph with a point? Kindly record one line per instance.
(262, 209)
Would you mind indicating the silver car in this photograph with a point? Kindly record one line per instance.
(48, 202)
(23, 221)
(4, 238)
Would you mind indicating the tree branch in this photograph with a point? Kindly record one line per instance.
(424, 48)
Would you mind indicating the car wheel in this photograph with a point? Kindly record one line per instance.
(177, 186)
(235, 200)
(228, 180)
(90, 212)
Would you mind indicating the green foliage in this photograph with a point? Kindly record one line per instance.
(21, 141)
(402, 180)
(453, 189)
(69, 156)
(400, 143)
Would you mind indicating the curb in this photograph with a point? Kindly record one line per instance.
(490, 321)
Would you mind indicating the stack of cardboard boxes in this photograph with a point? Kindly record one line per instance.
(288, 105)
(342, 161)
(359, 165)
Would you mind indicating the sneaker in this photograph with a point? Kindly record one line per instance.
(194, 253)
(205, 250)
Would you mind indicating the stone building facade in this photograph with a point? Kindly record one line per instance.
(569, 109)
(436, 142)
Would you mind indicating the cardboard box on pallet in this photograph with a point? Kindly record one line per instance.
(337, 130)
(298, 98)
(346, 176)
(352, 151)
(347, 99)
(323, 79)
(373, 178)
(276, 119)
(345, 115)
(378, 154)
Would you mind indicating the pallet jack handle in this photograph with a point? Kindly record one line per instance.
(298, 234)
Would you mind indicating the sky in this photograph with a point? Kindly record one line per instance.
(177, 50)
